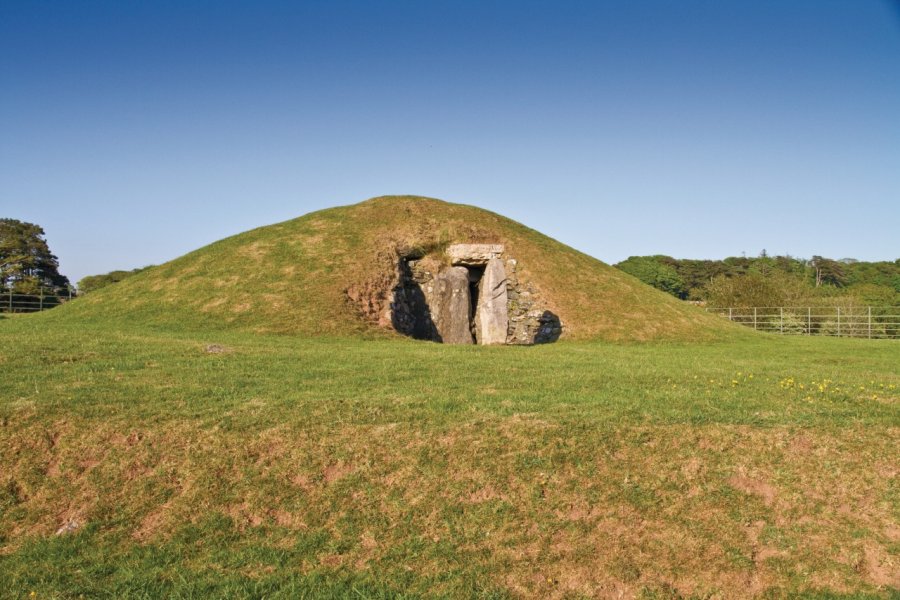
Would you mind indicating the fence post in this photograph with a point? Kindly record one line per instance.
(781, 316)
(10, 299)
(729, 314)
(870, 322)
(808, 320)
(839, 320)
(41, 305)
(754, 318)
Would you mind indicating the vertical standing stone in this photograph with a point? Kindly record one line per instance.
(491, 315)
(450, 306)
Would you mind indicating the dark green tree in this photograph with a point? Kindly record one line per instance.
(825, 277)
(656, 271)
(883, 273)
(26, 263)
(827, 271)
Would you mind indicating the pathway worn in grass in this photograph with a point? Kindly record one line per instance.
(282, 467)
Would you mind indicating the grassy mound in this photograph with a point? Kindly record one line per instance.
(294, 277)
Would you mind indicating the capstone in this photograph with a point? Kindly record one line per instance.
(471, 255)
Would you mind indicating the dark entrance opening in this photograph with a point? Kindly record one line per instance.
(475, 275)
(410, 313)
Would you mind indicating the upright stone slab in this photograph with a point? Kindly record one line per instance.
(450, 306)
(491, 315)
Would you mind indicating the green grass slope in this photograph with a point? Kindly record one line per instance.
(293, 277)
(327, 468)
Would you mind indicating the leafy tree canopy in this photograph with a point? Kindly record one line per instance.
(769, 280)
(656, 271)
(26, 263)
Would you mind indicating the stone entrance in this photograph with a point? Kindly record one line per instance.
(491, 316)
(469, 300)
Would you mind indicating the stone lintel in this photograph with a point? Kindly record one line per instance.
(473, 254)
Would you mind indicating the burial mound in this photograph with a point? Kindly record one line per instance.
(396, 266)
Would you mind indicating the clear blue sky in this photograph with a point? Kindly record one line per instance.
(134, 132)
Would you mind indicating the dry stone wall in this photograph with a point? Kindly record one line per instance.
(529, 320)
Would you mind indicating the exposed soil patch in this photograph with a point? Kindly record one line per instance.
(881, 568)
(256, 250)
(754, 487)
(336, 471)
(484, 495)
(151, 523)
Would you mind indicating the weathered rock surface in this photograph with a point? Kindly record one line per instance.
(430, 301)
(68, 527)
(409, 310)
(450, 306)
(491, 315)
(472, 255)
(529, 323)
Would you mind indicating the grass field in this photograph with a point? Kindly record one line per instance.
(284, 467)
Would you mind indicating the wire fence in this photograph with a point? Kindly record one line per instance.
(11, 302)
(872, 322)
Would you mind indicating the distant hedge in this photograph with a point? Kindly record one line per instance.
(769, 280)
(92, 283)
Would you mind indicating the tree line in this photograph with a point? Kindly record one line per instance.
(771, 280)
(27, 266)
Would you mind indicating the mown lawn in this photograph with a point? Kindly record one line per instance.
(284, 467)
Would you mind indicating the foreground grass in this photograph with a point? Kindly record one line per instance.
(287, 468)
